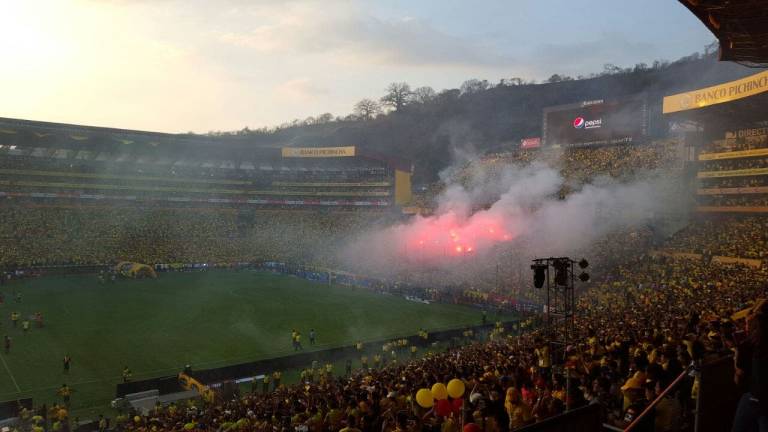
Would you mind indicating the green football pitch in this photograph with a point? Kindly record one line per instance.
(205, 319)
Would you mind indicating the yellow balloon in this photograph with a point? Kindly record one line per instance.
(439, 391)
(424, 398)
(455, 388)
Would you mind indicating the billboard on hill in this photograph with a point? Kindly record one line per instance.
(596, 122)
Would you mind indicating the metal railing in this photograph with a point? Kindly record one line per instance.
(673, 385)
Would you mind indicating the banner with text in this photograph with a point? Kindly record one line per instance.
(528, 143)
(733, 154)
(733, 173)
(318, 152)
(733, 191)
(717, 94)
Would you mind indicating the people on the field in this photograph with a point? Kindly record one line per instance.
(126, 374)
(297, 342)
(66, 393)
(294, 337)
(312, 336)
(265, 383)
(7, 343)
(67, 363)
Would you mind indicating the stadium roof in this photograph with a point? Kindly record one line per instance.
(38, 133)
(27, 135)
(741, 27)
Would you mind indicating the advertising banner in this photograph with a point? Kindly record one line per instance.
(717, 94)
(528, 143)
(731, 209)
(596, 122)
(733, 154)
(318, 152)
(733, 191)
(733, 173)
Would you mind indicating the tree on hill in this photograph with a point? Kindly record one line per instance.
(398, 95)
(367, 109)
(424, 95)
(473, 86)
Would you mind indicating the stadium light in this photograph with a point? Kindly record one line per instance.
(539, 274)
(583, 263)
(561, 271)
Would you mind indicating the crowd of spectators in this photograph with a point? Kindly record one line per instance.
(734, 200)
(735, 164)
(731, 236)
(621, 161)
(744, 200)
(577, 165)
(170, 169)
(639, 326)
(735, 182)
(44, 236)
(166, 181)
(749, 139)
(642, 321)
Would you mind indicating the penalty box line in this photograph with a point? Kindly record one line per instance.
(10, 374)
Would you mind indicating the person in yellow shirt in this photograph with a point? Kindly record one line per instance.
(276, 376)
(265, 384)
(334, 416)
(298, 346)
(351, 425)
(544, 361)
(518, 411)
(315, 421)
(449, 425)
(126, 374)
(65, 392)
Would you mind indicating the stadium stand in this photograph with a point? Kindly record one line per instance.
(644, 325)
(651, 321)
(56, 161)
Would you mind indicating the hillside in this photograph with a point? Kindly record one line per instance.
(431, 133)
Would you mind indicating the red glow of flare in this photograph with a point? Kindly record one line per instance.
(448, 235)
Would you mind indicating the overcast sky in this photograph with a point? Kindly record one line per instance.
(189, 65)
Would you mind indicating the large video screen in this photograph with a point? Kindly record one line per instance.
(595, 122)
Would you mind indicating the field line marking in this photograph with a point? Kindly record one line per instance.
(65, 308)
(7, 369)
(231, 360)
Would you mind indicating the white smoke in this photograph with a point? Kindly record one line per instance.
(524, 203)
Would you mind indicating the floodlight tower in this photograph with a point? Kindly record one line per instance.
(558, 275)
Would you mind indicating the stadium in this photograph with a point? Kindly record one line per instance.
(598, 263)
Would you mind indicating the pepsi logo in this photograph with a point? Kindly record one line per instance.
(578, 122)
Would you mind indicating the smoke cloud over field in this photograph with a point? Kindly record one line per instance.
(516, 211)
